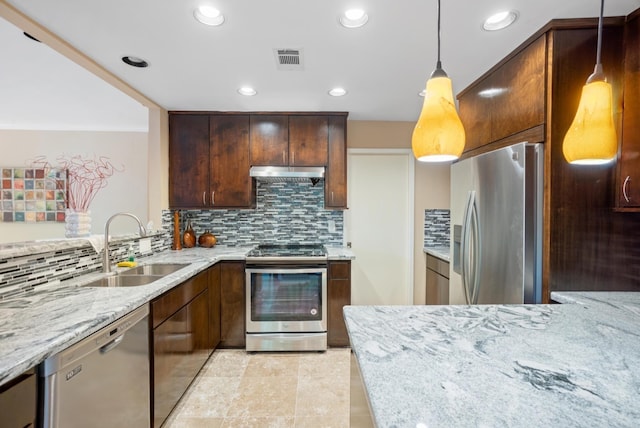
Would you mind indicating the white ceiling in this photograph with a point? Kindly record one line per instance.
(383, 65)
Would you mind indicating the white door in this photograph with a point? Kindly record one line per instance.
(378, 224)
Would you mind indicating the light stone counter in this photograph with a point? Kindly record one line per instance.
(340, 253)
(566, 365)
(440, 252)
(36, 325)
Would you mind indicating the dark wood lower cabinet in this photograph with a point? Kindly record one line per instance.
(214, 306)
(338, 295)
(232, 305)
(181, 342)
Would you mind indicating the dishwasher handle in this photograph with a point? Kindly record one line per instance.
(109, 346)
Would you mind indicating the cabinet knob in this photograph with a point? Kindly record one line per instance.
(625, 185)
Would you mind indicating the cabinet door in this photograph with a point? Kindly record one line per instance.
(188, 161)
(628, 194)
(308, 140)
(230, 185)
(339, 295)
(335, 191)
(214, 305)
(232, 305)
(180, 349)
(269, 140)
(475, 113)
(520, 82)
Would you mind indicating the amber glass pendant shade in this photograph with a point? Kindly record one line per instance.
(438, 135)
(591, 139)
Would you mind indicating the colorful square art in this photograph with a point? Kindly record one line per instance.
(32, 195)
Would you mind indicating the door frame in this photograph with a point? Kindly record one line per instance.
(411, 208)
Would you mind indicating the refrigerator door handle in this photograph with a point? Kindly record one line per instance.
(475, 258)
(465, 262)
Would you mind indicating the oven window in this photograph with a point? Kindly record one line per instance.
(286, 296)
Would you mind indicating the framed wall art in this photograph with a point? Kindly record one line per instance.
(32, 195)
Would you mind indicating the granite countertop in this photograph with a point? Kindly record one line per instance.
(339, 253)
(569, 365)
(37, 325)
(441, 252)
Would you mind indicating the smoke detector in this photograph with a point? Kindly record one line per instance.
(289, 59)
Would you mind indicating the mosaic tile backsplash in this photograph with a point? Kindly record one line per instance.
(285, 212)
(31, 195)
(24, 274)
(436, 228)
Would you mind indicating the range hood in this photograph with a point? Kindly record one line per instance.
(287, 173)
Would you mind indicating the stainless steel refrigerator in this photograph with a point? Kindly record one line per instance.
(496, 233)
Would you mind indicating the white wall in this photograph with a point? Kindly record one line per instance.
(126, 191)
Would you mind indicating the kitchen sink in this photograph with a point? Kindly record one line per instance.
(141, 275)
(161, 269)
(123, 281)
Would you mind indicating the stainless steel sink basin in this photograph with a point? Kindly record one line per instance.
(161, 269)
(123, 281)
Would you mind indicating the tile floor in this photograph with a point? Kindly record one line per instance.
(238, 389)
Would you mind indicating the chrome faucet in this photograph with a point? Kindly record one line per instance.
(106, 265)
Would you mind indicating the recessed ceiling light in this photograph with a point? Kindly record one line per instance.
(208, 15)
(247, 91)
(500, 20)
(30, 36)
(353, 18)
(135, 61)
(338, 92)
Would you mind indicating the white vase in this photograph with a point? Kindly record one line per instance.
(77, 223)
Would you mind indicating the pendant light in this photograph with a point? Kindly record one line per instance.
(591, 139)
(438, 135)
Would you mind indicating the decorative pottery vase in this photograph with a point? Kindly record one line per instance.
(77, 223)
(207, 240)
(189, 236)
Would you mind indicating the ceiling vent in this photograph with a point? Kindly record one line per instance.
(289, 59)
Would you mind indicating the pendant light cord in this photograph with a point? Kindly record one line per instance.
(598, 73)
(598, 52)
(439, 64)
(438, 72)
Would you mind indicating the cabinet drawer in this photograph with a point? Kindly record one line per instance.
(439, 266)
(170, 302)
(340, 270)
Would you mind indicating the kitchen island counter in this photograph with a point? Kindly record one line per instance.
(36, 325)
(573, 364)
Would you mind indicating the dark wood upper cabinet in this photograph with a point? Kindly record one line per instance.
(269, 140)
(508, 100)
(335, 183)
(202, 147)
(188, 160)
(231, 186)
(628, 177)
(308, 140)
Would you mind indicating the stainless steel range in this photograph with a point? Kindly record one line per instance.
(286, 308)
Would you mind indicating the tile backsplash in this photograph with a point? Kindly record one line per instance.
(285, 212)
(436, 228)
(24, 273)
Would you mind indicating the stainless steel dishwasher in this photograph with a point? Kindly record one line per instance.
(102, 381)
